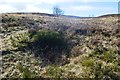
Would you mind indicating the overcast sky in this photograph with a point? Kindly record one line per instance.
(70, 7)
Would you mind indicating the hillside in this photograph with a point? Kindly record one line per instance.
(92, 50)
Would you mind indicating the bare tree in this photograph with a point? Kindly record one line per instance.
(57, 11)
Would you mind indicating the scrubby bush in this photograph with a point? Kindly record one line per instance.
(109, 56)
(104, 72)
(97, 51)
(49, 44)
(44, 43)
(105, 65)
(49, 40)
(20, 41)
(26, 73)
(54, 72)
(10, 21)
(104, 54)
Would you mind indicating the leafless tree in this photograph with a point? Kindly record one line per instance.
(57, 11)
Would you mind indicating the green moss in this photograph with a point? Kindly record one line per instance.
(26, 73)
(88, 62)
(54, 72)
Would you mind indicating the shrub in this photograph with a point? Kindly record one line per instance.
(20, 41)
(10, 21)
(54, 72)
(109, 56)
(49, 44)
(49, 41)
(104, 54)
(26, 73)
(105, 71)
(46, 44)
(98, 51)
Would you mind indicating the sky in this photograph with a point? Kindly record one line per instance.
(70, 7)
